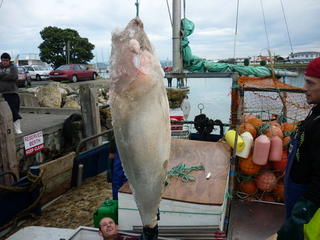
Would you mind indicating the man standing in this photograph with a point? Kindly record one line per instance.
(9, 90)
(302, 179)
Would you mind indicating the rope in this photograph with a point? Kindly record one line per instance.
(36, 182)
(181, 171)
(169, 13)
(265, 25)
(285, 20)
(35, 179)
(184, 8)
(137, 8)
(236, 31)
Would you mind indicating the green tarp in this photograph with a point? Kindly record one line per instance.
(195, 64)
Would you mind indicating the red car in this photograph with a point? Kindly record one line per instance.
(23, 77)
(73, 72)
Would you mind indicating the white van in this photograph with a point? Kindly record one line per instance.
(38, 72)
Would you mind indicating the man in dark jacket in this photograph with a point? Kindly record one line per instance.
(8, 88)
(302, 180)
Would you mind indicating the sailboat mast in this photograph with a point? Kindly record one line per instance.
(176, 41)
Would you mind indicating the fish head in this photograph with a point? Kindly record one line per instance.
(133, 62)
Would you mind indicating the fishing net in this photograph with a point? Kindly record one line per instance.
(271, 107)
(270, 98)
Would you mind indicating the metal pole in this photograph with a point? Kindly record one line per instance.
(176, 38)
(68, 52)
(80, 174)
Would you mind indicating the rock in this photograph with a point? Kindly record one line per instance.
(65, 89)
(70, 103)
(49, 96)
(29, 100)
(29, 90)
(102, 100)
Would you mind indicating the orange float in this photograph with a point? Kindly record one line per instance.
(288, 127)
(248, 187)
(279, 192)
(285, 142)
(247, 116)
(275, 123)
(256, 122)
(274, 130)
(248, 127)
(281, 165)
(247, 166)
(266, 181)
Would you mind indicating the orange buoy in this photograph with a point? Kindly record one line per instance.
(261, 150)
(275, 149)
(266, 181)
(248, 127)
(281, 165)
(279, 192)
(247, 166)
(285, 142)
(274, 130)
(248, 187)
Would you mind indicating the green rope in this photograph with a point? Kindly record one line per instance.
(181, 171)
(137, 6)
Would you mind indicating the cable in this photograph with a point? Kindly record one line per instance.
(184, 8)
(169, 13)
(236, 31)
(265, 25)
(285, 20)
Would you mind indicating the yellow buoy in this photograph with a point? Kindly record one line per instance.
(230, 137)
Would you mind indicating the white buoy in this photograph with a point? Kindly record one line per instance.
(185, 107)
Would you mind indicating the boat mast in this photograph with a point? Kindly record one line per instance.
(176, 37)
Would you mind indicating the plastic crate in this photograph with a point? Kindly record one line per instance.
(176, 126)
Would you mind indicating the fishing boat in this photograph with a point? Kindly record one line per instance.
(208, 206)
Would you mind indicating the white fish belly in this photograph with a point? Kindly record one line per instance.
(143, 139)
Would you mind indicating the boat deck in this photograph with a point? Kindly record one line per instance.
(251, 220)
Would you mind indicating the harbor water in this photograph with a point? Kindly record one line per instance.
(215, 95)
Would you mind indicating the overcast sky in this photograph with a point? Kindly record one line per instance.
(213, 38)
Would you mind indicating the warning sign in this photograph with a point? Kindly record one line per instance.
(33, 143)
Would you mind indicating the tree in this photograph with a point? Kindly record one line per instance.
(263, 63)
(58, 42)
(246, 62)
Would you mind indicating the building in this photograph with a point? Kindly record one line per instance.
(28, 59)
(303, 57)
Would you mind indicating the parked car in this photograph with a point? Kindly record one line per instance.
(23, 77)
(38, 72)
(73, 72)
